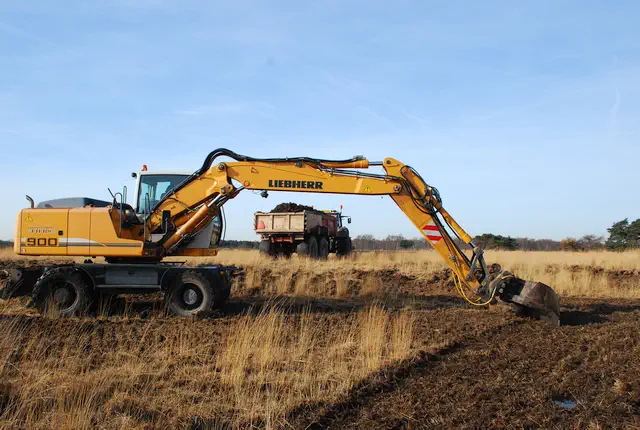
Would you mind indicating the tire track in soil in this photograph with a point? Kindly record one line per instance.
(387, 380)
(505, 377)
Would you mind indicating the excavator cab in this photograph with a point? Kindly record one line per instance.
(153, 186)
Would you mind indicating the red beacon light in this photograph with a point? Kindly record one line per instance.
(144, 168)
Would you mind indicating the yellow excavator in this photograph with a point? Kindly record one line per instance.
(182, 215)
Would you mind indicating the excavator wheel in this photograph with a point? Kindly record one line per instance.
(64, 291)
(191, 294)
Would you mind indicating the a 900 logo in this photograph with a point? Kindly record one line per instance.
(42, 241)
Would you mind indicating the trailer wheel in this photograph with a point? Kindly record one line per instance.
(302, 248)
(190, 294)
(64, 291)
(323, 248)
(265, 247)
(312, 244)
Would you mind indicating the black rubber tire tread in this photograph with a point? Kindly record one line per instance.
(323, 248)
(302, 249)
(312, 242)
(221, 294)
(265, 247)
(42, 291)
(203, 284)
(343, 247)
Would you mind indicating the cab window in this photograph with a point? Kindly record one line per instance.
(156, 187)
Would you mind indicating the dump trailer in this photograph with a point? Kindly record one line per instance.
(310, 232)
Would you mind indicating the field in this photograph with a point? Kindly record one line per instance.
(378, 340)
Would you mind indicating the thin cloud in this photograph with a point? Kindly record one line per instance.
(261, 109)
(18, 32)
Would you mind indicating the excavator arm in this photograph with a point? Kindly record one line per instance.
(192, 204)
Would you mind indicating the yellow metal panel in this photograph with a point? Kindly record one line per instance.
(105, 240)
(17, 233)
(289, 177)
(43, 231)
(79, 231)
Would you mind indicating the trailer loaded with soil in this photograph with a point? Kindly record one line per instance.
(290, 228)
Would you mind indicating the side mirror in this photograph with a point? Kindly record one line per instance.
(348, 220)
(134, 175)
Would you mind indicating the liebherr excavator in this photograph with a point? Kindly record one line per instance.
(185, 218)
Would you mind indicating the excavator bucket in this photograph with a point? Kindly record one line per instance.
(527, 298)
(536, 300)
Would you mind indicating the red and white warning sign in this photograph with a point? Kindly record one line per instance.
(432, 233)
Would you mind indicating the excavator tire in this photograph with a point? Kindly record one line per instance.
(63, 290)
(323, 248)
(191, 294)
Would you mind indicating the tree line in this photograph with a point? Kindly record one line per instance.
(622, 235)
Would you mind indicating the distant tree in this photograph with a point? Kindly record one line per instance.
(633, 234)
(623, 235)
(570, 244)
(365, 242)
(240, 244)
(493, 241)
(527, 244)
(6, 244)
(406, 244)
(590, 242)
(392, 242)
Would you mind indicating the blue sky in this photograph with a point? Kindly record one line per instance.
(523, 114)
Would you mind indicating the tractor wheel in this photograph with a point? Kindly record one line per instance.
(191, 294)
(64, 291)
(343, 247)
(323, 248)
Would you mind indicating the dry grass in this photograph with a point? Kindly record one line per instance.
(577, 274)
(249, 369)
(255, 368)
(582, 274)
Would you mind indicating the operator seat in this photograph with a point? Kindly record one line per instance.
(128, 214)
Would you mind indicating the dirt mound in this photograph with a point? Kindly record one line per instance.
(291, 207)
